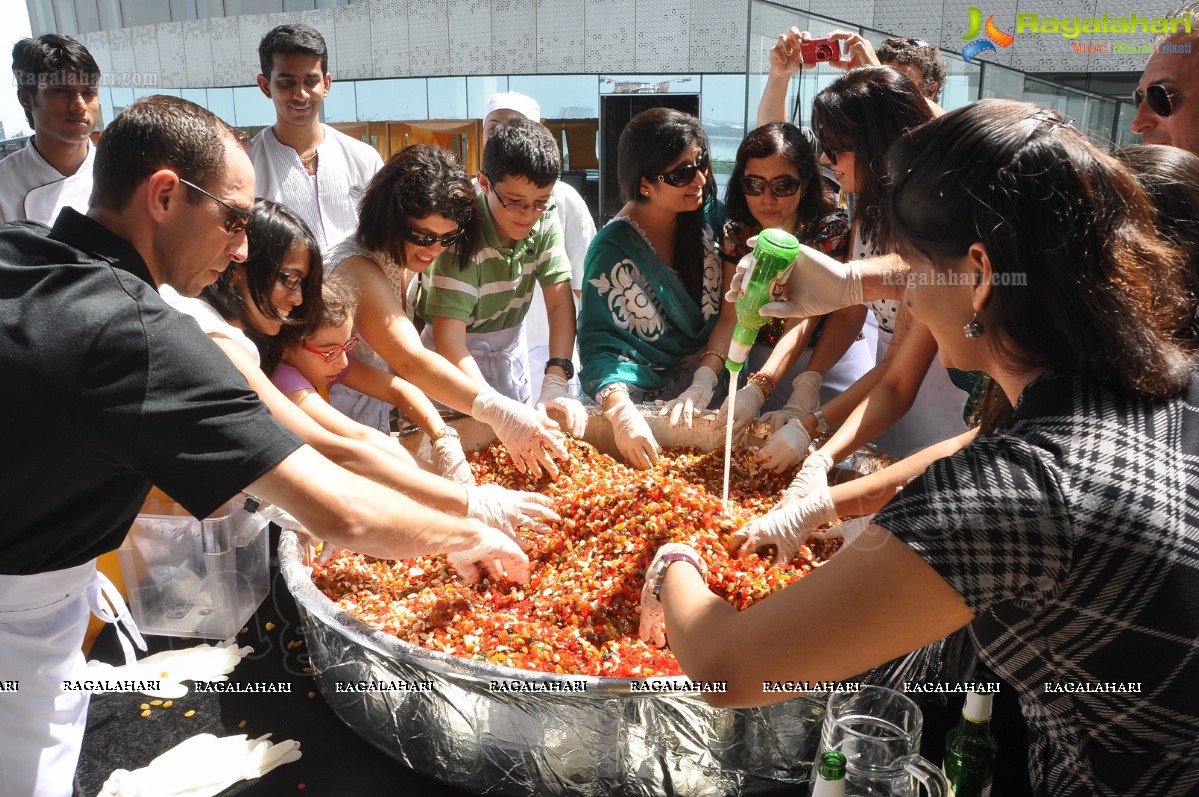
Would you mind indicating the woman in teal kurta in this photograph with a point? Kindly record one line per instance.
(652, 281)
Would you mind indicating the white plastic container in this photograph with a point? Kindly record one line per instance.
(192, 578)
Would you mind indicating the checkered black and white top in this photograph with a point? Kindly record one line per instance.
(1073, 535)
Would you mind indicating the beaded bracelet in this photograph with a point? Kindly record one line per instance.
(764, 383)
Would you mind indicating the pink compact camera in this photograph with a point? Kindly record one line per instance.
(819, 50)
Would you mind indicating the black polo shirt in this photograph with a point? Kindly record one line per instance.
(106, 390)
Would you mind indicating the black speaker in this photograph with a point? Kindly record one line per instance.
(615, 112)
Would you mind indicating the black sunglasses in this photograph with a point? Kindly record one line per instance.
(832, 153)
(238, 218)
(684, 175)
(1159, 98)
(418, 238)
(779, 186)
(292, 280)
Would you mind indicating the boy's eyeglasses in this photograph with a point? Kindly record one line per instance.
(292, 280)
(520, 207)
(1161, 101)
(779, 186)
(418, 238)
(333, 354)
(238, 218)
(683, 176)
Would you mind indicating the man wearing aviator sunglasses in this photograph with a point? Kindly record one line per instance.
(1166, 113)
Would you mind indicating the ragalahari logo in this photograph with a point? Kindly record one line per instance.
(994, 34)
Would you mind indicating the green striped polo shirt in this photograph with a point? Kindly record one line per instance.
(493, 291)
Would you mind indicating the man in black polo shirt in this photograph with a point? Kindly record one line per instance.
(107, 390)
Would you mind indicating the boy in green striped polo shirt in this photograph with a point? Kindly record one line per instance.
(475, 314)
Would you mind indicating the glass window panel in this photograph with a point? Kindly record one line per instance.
(183, 10)
(479, 88)
(722, 110)
(150, 92)
(447, 98)
(209, 8)
(144, 12)
(220, 102)
(41, 17)
(341, 103)
(1124, 134)
(251, 109)
(67, 23)
(88, 16)
(107, 114)
(649, 84)
(198, 96)
(562, 96)
(298, 5)
(120, 97)
(110, 14)
(961, 83)
(238, 7)
(395, 99)
(999, 81)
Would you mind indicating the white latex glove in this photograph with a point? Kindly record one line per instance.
(497, 554)
(748, 402)
(172, 667)
(818, 285)
(507, 510)
(202, 766)
(634, 439)
(449, 460)
(786, 527)
(703, 384)
(653, 618)
(533, 440)
(785, 447)
(284, 520)
(805, 397)
(555, 396)
(812, 476)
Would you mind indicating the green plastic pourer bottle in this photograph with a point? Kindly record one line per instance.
(774, 255)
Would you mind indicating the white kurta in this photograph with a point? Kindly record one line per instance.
(30, 188)
(328, 200)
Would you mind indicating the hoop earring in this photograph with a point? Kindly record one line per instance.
(974, 327)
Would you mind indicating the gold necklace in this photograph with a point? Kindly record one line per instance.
(308, 159)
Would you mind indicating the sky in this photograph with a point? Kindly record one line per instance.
(16, 27)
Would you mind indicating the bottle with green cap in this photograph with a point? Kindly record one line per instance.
(830, 775)
(774, 255)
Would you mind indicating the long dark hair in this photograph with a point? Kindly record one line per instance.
(784, 139)
(865, 110)
(1171, 178)
(652, 140)
(1082, 281)
(272, 231)
(416, 182)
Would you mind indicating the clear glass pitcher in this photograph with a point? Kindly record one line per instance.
(878, 731)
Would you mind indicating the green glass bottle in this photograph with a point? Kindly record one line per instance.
(970, 749)
(830, 775)
(774, 255)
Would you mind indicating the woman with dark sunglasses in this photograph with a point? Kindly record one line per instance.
(652, 280)
(776, 182)
(418, 206)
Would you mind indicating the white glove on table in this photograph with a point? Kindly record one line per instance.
(786, 527)
(818, 285)
(805, 397)
(202, 766)
(746, 405)
(634, 439)
(449, 460)
(556, 397)
(699, 395)
(507, 510)
(497, 554)
(785, 447)
(811, 477)
(653, 617)
(172, 667)
(533, 440)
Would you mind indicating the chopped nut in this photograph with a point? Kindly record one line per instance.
(144, 706)
(269, 626)
(154, 703)
(190, 713)
(146, 713)
(241, 724)
(168, 704)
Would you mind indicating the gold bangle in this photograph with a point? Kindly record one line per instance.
(711, 353)
(764, 383)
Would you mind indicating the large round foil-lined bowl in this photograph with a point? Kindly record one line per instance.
(462, 723)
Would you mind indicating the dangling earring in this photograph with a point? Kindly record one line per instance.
(974, 327)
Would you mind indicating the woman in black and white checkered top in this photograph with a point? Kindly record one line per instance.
(1068, 538)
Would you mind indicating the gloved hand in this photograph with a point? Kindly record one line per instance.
(653, 617)
(171, 668)
(533, 440)
(785, 447)
(496, 553)
(848, 531)
(507, 510)
(284, 520)
(786, 527)
(554, 396)
(449, 460)
(634, 439)
(811, 477)
(818, 285)
(805, 397)
(202, 766)
(699, 395)
(746, 404)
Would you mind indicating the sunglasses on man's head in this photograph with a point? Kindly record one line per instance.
(685, 174)
(1161, 100)
(779, 186)
(419, 238)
